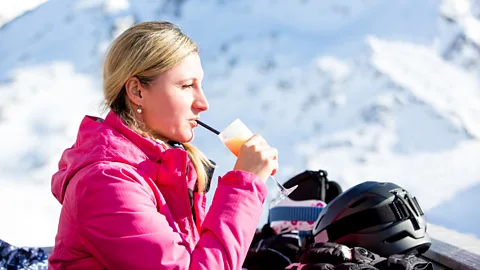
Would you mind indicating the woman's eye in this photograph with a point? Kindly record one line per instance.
(187, 86)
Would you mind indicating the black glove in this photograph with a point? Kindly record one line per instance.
(354, 266)
(407, 262)
(311, 266)
(327, 252)
(361, 255)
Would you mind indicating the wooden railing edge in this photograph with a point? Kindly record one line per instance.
(446, 256)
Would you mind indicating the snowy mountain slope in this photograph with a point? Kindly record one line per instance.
(353, 87)
(12, 10)
(452, 212)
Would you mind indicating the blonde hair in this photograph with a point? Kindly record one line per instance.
(144, 51)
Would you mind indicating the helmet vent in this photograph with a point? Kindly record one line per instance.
(359, 201)
(397, 237)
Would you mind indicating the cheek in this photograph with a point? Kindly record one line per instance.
(166, 116)
(161, 105)
(170, 110)
(181, 105)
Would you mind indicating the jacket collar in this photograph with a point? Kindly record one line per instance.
(156, 151)
(151, 148)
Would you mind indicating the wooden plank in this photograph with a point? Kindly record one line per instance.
(446, 256)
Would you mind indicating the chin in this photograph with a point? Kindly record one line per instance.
(185, 138)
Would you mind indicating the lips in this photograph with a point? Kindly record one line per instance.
(193, 123)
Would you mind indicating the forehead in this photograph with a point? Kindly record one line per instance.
(189, 68)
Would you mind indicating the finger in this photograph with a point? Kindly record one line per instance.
(270, 153)
(271, 156)
(256, 139)
(253, 140)
(257, 146)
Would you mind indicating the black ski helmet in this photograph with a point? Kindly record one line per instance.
(381, 217)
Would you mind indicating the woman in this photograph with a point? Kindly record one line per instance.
(133, 190)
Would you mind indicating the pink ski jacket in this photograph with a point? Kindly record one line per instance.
(126, 205)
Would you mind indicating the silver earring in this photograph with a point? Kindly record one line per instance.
(139, 109)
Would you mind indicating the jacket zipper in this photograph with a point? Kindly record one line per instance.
(190, 217)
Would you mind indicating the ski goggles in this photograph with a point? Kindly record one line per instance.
(287, 215)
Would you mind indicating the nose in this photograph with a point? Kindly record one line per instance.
(200, 102)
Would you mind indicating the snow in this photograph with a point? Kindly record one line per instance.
(352, 87)
(9, 10)
(467, 242)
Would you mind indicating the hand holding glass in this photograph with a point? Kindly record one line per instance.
(234, 136)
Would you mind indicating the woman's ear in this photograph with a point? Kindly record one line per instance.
(134, 90)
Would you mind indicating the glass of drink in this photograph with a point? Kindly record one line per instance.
(234, 136)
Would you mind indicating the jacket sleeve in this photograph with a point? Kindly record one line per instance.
(231, 221)
(121, 227)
